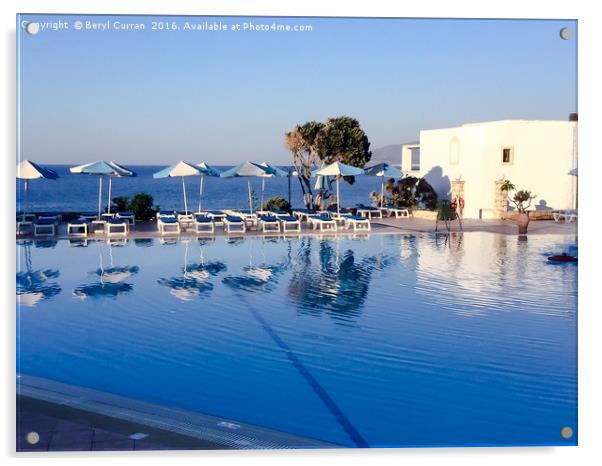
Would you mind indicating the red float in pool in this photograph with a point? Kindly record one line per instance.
(564, 257)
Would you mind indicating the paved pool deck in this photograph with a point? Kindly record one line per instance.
(64, 417)
(60, 428)
(379, 226)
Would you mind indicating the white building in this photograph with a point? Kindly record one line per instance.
(470, 161)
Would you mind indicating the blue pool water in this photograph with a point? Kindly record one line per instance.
(385, 340)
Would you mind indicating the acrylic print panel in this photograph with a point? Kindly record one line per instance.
(272, 232)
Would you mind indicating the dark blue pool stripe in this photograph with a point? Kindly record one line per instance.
(313, 383)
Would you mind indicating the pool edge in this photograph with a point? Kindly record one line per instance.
(208, 430)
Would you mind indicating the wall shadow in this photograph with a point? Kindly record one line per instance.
(440, 182)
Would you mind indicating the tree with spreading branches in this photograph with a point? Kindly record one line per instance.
(340, 139)
(301, 141)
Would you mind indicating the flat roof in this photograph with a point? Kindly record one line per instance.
(498, 122)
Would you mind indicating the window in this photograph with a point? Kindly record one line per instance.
(507, 156)
(415, 159)
(454, 152)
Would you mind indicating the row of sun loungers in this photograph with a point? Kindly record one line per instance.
(368, 212)
(39, 225)
(112, 227)
(239, 221)
(206, 222)
(360, 221)
(380, 212)
(232, 222)
(46, 224)
(565, 215)
(280, 222)
(333, 222)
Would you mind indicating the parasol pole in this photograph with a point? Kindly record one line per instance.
(109, 200)
(26, 198)
(184, 193)
(201, 194)
(99, 195)
(290, 175)
(250, 202)
(338, 199)
(262, 189)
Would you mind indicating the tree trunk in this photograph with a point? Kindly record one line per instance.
(302, 187)
(306, 188)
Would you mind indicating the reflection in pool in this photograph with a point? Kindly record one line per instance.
(116, 274)
(101, 290)
(333, 282)
(383, 340)
(34, 286)
(110, 281)
(258, 276)
(194, 281)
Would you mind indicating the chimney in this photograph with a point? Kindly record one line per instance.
(573, 117)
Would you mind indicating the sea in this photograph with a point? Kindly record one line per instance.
(79, 193)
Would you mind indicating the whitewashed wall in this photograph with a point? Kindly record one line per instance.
(542, 158)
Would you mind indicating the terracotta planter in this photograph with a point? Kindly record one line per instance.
(522, 220)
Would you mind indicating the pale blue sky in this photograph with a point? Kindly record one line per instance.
(146, 97)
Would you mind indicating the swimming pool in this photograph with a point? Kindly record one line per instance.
(383, 340)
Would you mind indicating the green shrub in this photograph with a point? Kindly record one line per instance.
(410, 192)
(426, 195)
(142, 206)
(120, 204)
(277, 203)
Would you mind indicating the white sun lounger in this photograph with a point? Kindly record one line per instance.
(357, 223)
(44, 228)
(251, 219)
(233, 224)
(322, 222)
(217, 216)
(565, 215)
(369, 212)
(397, 213)
(186, 221)
(269, 223)
(203, 224)
(290, 223)
(279, 213)
(168, 225)
(77, 228)
(305, 214)
(340, 218)
(118, 227)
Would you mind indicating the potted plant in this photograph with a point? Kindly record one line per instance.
(522, 201)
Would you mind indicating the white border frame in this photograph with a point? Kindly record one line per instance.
(591, 160)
